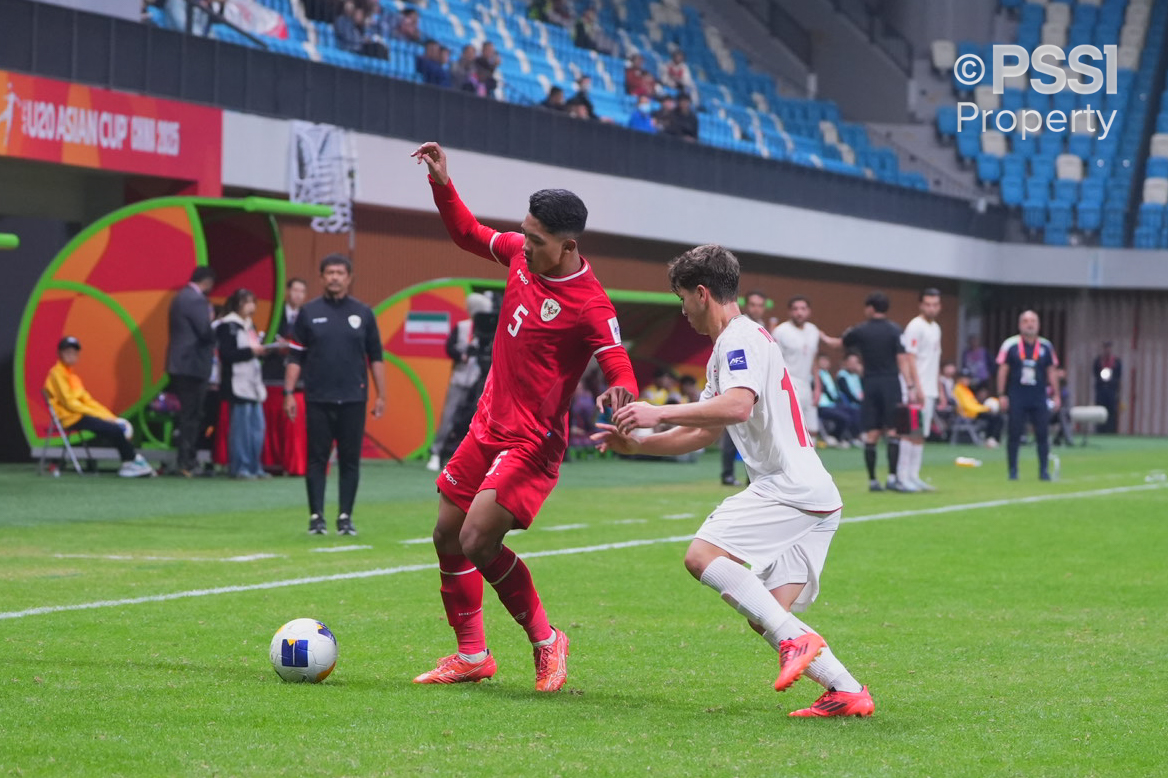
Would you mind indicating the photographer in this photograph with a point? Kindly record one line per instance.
(475, 359)
(463, 347)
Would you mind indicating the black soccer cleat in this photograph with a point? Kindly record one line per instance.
(316, 525)
(345, 525)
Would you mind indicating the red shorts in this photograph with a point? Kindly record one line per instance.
(521, 472)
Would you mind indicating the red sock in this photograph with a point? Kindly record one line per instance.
(462, 596)
(512, 582)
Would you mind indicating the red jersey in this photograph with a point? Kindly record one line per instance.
(549, 330)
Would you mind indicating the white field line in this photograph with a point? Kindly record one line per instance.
(552, 552)
(563, 527)
(337, 549)
(132, 558)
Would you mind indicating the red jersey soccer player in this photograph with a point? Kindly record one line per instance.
(555, 317)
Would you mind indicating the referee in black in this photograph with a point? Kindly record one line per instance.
(336, 343)
(879, 343)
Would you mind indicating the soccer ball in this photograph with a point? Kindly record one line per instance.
(304, 650)
(992, 405)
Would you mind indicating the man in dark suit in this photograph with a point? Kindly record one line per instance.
(189, 355)
(1108, 370)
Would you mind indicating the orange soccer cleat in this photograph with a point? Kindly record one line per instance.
(455, 669)
(794, 658)
(551, 664)
(835, 703)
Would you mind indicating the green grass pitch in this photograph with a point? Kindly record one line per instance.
(1000, 635)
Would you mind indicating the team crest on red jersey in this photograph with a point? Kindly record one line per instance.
(550, 309)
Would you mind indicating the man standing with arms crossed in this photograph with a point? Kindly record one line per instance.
(799, 340)
(336, 343)
(879, 343)
(555, 317)
(922, 346)
(1027, 368)
(782, 524)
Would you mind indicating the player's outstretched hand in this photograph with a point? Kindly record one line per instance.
(639, 415)
(435, 158)
(610, 439)
(616, 396)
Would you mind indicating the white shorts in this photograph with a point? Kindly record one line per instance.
(781, 544)
(928, 410)
(808, 407)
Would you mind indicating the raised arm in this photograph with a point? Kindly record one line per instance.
(463, 227)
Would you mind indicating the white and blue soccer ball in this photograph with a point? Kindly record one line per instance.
(304, 650)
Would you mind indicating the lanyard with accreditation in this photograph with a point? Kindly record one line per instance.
(1029, 375)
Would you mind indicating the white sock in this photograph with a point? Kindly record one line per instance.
(918, 456)
(550, 639)
(903, 465)
(474, 658)
(746, 594)
(829, 672)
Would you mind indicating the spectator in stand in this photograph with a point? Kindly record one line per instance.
(970, 407)
(676, 74)
(241, 384)
(380, 21)
(407, 26)
(639, 81)
(485, 65)
(642, 118)
(464, 67)
(578, 111)
(555, 100)
(429, 65)
(559, 12)
(977, 361)
(354, 35)
(689, 389)
(590, 35)
(664, 116)
(948, 380)
(685, 121)
(79, 412)
(583, 86)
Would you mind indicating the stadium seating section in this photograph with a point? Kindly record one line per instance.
(739, 109)
(1071, 183)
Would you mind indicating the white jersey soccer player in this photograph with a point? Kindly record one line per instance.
(922, 343)
(763, 549)
(799, 341)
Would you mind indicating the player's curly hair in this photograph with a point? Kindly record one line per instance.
(561, 211)
(712, 266)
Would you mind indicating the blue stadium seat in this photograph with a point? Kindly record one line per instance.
(947, 120)
(1056, 236)
(1042, 168)
(1157, 167)
(1061, 215)
(1013, 192)
(1034, 214)
(1090, 216)
(1024, 147)
(1151, 216)
(989, 168)
(1066, 191)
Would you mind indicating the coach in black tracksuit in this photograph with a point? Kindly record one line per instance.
(336, 343)
(878, 342)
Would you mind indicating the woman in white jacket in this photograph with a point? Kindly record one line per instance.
(242, 384)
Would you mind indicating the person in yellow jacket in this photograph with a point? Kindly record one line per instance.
(79, 412)
(969, 407)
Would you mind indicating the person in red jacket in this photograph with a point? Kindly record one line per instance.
(554, 319)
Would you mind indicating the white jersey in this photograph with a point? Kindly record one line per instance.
(922, 339)
(778, 453)
(800, 346)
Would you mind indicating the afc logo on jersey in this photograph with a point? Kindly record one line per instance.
(550, 310)
(737, 359)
